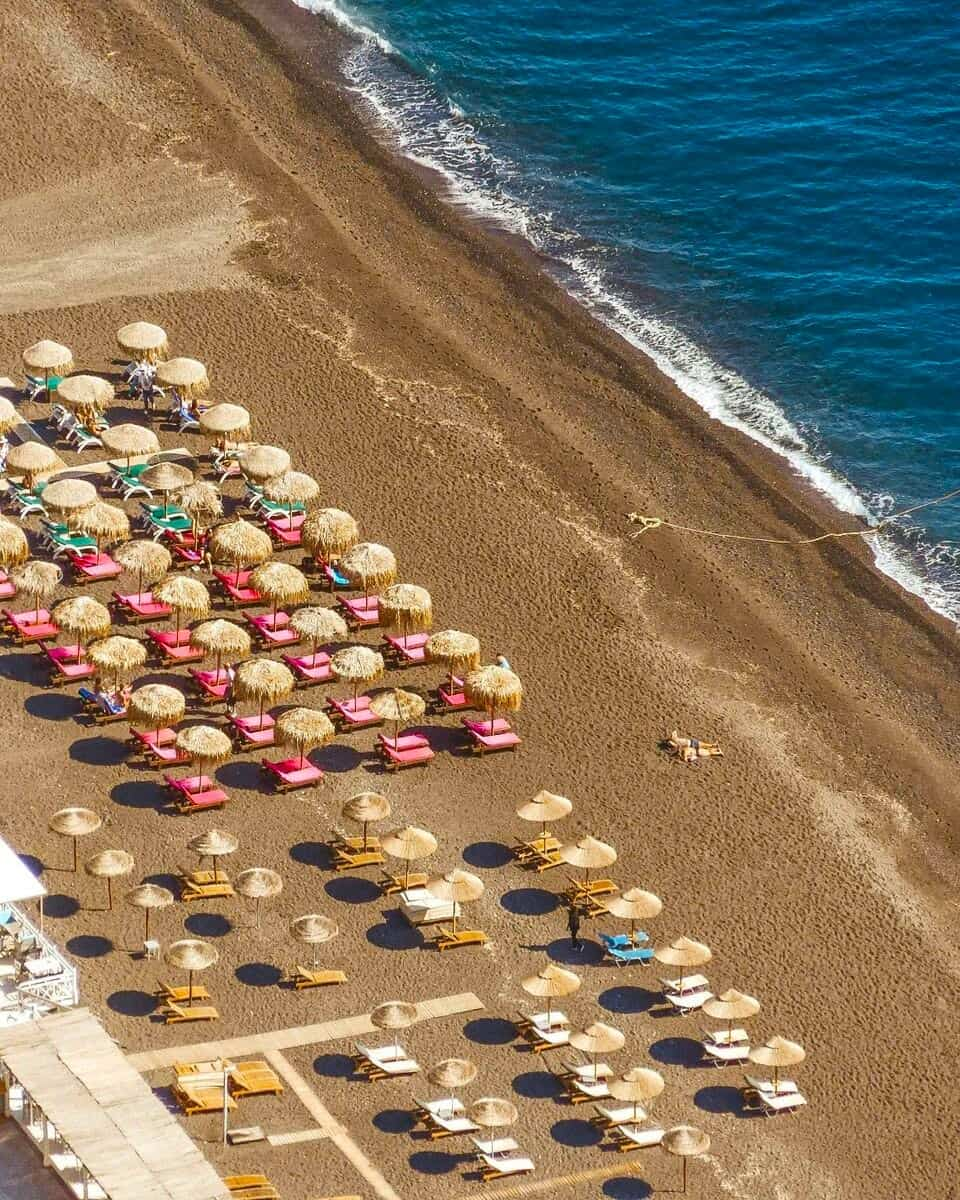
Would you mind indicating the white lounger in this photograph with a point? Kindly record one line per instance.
(640, 1137)
(553, 1020)
(621, 1115)
(766, 1085)
(392, 1060)
(447, 1108)
(685, 1002)
(500, 1168)
(723, 1037)
(689, 983)
(454, 1125)
(777, 1102)
(588, 1071)
(419, 907)
(494, 1147)
(722, 1056)
(587, 1087)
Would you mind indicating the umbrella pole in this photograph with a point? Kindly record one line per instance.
(684, 1188)
(146, 924)
(493, 713)
(74, 856)
(190, 989)
(140, 586)
(364, 838)
(109, 894)
(37, 613)
(213, 859)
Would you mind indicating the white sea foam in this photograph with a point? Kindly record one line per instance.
(435, 132)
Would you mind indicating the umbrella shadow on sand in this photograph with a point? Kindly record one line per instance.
(529, 902)
(627, 999)
(435, 1162)
(24, 668)
(678, 1052)
(139, 793)
(60, 906)
(312, 854)
(537, 1085)
(53, 706)
(395, 1120)
(726, 1100)
(490, 1031)
(589, 954)
(131, 1003)
(487, 855)
(626, 1187)
(99, 751)
(352, 891)
(393, 933)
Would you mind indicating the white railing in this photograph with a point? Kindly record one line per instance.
(57, 985)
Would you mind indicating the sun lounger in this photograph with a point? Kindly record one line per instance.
(36, 386)
(450, 939)
(64, 665)
(420, 907)
(291, 774)
(756, 1084)
(405, 755)
(7, 588)
(95, 707)
(485, 726)
(185, 553)
(90, 568)
(179, 995)
(310, 977)
(589, 1072)
(480, 743)
(524, 851)
(196, 1098)
(447, 1107)
(353, 714)
(555, 1019)
(174, 1014)
(778, 1102)
(451, 699)
(235, 586)
(500, 1168)
(174, 645)
(725, 1054)
(725, 1037)
(586, 891)
(254, 1078)
(272, 628)
(162, 755)
(440, 1125)
(362, 611)
(309, 669)
(34, 625)
(141, 606)
(26, 502)
(688, 1001)
(608, 1117)
(408, 650)
(251, 1187)
(147, 739)
(385, 1063)
(637, 1137)
(195, 793)
(623, 951)
(333, 576)
(347, 859)
(579, 1091)
(391, 884)
(279, 529)
(192, 889)
(213, 686)
(251, 733)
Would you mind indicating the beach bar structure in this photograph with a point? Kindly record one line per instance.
(35, 976)
(92, 1116)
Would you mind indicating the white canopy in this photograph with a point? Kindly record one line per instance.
(17, 881)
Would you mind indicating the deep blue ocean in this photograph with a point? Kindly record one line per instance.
(763, 196)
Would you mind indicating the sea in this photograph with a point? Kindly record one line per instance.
(764, 197)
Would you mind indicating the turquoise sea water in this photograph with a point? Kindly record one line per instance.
(762, 196)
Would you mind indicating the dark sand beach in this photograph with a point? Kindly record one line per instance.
(196, 164)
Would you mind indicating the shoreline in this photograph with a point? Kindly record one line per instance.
(473, 417)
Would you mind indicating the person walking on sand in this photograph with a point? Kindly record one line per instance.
(573, 924)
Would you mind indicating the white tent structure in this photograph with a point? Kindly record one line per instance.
(17, 881)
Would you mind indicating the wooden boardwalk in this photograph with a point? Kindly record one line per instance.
(302, 1035)
(538, 1187)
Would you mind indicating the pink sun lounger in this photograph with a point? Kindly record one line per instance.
(309, 668)
(409, 756)
(141, 606)
(7, 589)
(236, 586)
(281, 531)
(361, 610)
(164, 756)
(354, 714)
(65, 666)
(93, 566)
(486, 727)
(175, 647)
(251, 732)
(482, 742)
(291, 773)
(451, 701)
(26, 628)
(404, 741)
(196, 792)
(213, 685)
(273, 628)
(409, 649)
(153, 737)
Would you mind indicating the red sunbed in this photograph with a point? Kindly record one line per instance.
(250, 732)
(24, 629)
(141, 606)
(280, 531)
(394, 759)
(66, 666)
(175, 648)
(354, 714)
(452, 700)
(235, 585)
(7, 589)
(494, 741)
(361, 610)
(273, 628)
(154, 737)
(196, 792)
(485, 726)
(409, 649)
(293, 773)
(94, 566)
(405, 741)
(213, 685)
(309, 668)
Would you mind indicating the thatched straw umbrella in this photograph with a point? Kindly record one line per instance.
(262, 681)
(492, 1113)
(191, 955)
(155, 705)
(86, 395)
(75, 823)
(205, 744)
(280, 583)
(109, 865)
(260, 463)
(635, 905)
(292, 488)
(587, 855)
(364, 808)
(452, 1073)
(682, 953)
(145, 342)
(457, 887)
(395, 1015)
(638, 1085)
(241, 544)
(314, 930)
(400, 707)
(47, 356)
(147, 559)
(84, 617)
(202, 503)
(166, 478)
(304, 729)
(356, 665)
(318, 625)
(778, 1052)
(31, 460)
(106, 523)
(14, 547)
(214, 844)
(9, 417)
(221, 638)
(186, 375)
(551, 983)
(187, 597)
(65, 497)
(328, 532)
(226, 421)
(731, 1006)
(367, 565)
(130, 441)
(405, 609)
(543, 808)
(118, 656)
(259, 884)
(37, 579)
(459, 652)
(409, 845)
(685, 1141)
(148, 896)
(493, 689)
(597, 1039)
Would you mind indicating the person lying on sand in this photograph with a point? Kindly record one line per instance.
(690, 749)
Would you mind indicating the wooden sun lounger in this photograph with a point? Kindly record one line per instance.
(310, 669)
(192, 890)
(141, 606)
(251, 1187)
(309, 977)
(235, 587)
(391, 884)
(174, 1014)
(579, 1091)
(637, 1137)
(375, 1066)
(500, 1168)
(545, 1039)
(348, 859)
(447, 939)
(213, 686)
(623, 1114)
(254, 1078)
(779, 1102)
(200, 1098)
(444, 1125)
(249, 733)
(289, 776)
(584, 889)
(178, 995)
(394, 757)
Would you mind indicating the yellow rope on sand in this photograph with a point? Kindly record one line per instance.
(650, 523)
